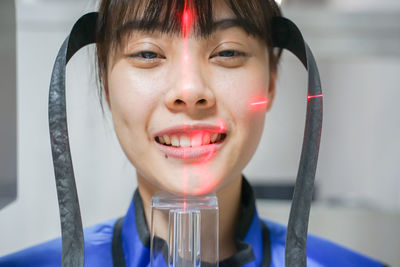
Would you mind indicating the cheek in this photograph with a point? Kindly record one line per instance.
(245, 94)
(247, 102)
(132, 96)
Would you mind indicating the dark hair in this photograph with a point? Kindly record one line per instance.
(116, 16)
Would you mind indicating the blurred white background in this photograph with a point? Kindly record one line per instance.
(357, 46)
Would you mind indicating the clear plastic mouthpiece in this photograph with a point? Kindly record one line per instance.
(184, 237)
(184, 231)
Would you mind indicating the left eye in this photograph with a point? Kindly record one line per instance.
(229, 58)
(230, 53)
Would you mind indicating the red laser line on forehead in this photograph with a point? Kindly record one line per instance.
(186, 24)
(187, 21)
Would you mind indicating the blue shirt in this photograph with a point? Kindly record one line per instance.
(126, 242)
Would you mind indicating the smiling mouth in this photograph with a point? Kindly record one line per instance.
(192, 139)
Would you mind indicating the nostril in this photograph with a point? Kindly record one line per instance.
(179, 102)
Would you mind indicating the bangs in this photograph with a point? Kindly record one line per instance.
(119, 18)
(167, 16)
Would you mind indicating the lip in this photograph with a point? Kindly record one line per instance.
(203, 152)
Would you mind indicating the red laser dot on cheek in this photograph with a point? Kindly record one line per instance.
(258, 104)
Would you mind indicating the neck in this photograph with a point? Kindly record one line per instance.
(228, 205)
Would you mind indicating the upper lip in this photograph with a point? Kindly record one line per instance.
(187, 128)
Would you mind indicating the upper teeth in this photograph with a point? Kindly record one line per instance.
(194, 140)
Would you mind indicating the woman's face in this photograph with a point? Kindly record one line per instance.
(189, 111)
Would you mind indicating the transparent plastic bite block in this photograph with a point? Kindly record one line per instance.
(184, 231)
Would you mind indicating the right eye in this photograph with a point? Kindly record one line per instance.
(145, 59)
(146, 55)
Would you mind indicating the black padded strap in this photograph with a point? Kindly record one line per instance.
(83, 33)
(70, 216)
(287, 35)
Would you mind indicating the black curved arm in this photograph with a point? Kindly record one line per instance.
(83, 33)
(286, 35)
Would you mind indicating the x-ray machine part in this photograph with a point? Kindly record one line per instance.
(285, 35)
(8, 104)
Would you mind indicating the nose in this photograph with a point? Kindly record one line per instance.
(190, 93)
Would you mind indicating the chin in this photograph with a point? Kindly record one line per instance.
(193, 181)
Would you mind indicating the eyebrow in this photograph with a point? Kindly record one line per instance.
(226, 24)
(140, 25)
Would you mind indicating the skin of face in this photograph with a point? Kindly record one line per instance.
(157, 81)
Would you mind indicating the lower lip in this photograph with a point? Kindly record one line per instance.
(200, 152)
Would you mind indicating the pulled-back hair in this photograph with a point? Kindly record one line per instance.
(116, 16)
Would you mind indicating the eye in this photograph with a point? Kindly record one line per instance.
(145, 59)
(229, 58)
(146, 55)
(230, 53)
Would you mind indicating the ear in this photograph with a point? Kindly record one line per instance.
(272, 88)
